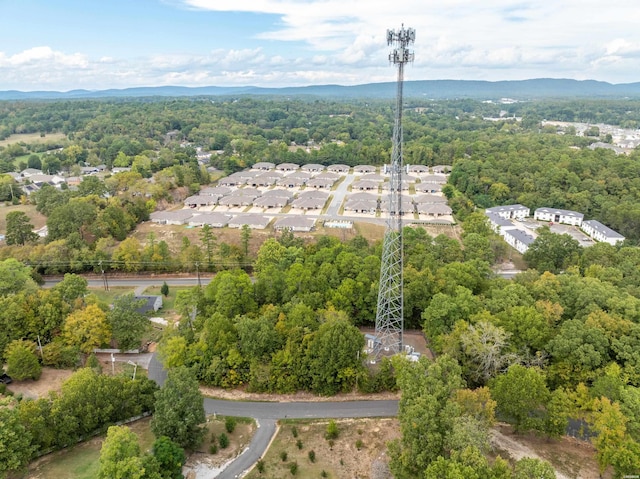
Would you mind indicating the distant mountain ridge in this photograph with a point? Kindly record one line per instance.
(534, 89)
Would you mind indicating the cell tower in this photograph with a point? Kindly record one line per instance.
(390, 311)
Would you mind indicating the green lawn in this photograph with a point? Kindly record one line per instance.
(81, 461)
(113, 293)
(37, 220)
(32, 138)
(168, 302)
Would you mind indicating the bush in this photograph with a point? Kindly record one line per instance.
(294, 431)
(324, 474)
(359, 444)
(299, 444)
(293, 468)
(223, 439)
(22, 362)
(230, 424)
(60, 356)
(260, 466)
(213, 449)
(283, 455)
(332, 430)
(312, 455)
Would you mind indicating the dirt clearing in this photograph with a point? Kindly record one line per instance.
(51, 380)
(571, 458)
(360, 442)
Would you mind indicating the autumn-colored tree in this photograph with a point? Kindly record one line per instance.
(87, 328)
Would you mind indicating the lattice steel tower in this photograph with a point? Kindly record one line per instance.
(390, 311)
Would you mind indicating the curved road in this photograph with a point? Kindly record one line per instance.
(267, 414)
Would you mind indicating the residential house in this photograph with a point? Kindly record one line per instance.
(556, 215)
(213, 219)
(252, 221)
(510, 211)
(264, 166)
(341, 169)
(313, 168)
(295, 223)
(151, 304)
(499, 224)
(518, 239)
(601, 233)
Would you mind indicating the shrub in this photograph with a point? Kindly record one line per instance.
(213, 448)
(293, 468)
(22, 362)
(332, 430)
(312, 455)
(230, 424)
(359, 444)
(324, 474)
(299, 444)
(283, 455)
(260, 466)
(294, 431)
(223, 439)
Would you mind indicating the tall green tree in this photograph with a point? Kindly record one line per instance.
(87, 328)
(334, 356)
(170, 457)
(552, 252)
(521, 394)
(19, 229)
(127, 324)
(15, 440)
(426, 413)
(179, 410)
(120, 455)
(22, 362)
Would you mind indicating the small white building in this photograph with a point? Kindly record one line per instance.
(518, 239)
(556, 215)
(516, 211)
(602, 233)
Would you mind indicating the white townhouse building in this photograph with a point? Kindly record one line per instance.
(556, 215)
(518, 239)
(602, 233)
(499, 224)
(510, 211)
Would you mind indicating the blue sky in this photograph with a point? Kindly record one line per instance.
(97, 44)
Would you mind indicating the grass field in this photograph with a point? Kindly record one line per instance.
(37, 220)
(109, 296)
(168, 302)
(82, 461)
(32, 138)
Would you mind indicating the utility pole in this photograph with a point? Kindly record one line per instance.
(198, 273)
(390, 311)
(104, 277)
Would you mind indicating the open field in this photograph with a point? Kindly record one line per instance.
(32, 138)
(360, 442)
(82, 461)
(37, 220)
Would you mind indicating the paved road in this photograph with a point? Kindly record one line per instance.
(137, 282)
(338, 196)
(267, 414)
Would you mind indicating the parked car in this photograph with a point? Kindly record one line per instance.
(5, 379)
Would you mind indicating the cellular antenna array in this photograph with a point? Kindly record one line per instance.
(390, 310)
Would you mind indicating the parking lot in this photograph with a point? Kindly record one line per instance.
(573, 231)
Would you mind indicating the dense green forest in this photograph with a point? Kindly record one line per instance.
(558, 341)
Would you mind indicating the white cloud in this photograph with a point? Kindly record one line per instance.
(343, 42)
